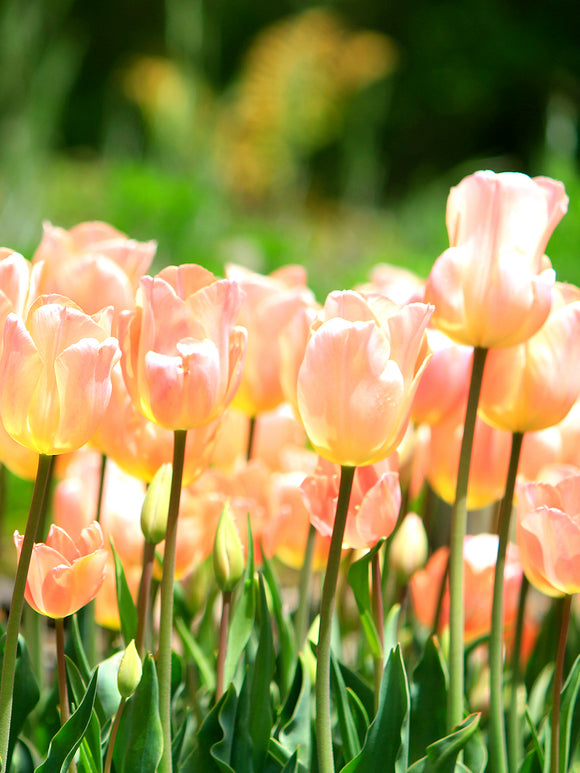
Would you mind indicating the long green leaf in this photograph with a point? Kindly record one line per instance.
(139, 742)
(442, 755)
(90, 748)
(295, 720)
(386, 747)
(26, 694)
(567, 705)
(351, 745)
(428, 700)
(358, 578)
(241, 626)
(65, 743)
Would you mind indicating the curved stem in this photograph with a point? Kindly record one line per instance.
(302, 613)
(34, 527)
(166, 596)
(455, 703)
(514, 723)
(323, 719)
(497, 739)
(113, 736)
(251, 437)
(558, 675)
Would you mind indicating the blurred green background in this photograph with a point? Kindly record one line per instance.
(266, 133)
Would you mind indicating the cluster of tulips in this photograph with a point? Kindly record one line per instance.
(205, 449)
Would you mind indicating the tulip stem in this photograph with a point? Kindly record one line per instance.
(251, 437)
(566, 604)
(514, 724)
(166, 596)
(497, 738)
(61, 674)
(302, 613)
(323, 714)
(34, 527)
(113, 736)
(143, 599)
(223, 643)
(455, 700)
(379, 615)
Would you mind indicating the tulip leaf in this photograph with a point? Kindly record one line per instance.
(351, 744)
(196, 653)
(139, 742)
(279, 758)
(287, 660)
(428, 700)
(241, 626)
(294, 725)
(360, 689)
(212, 749)
(125, 603)
(292, 765)
(567, 705)
(68, 739)
(442, 755)
(262, 671)
(387, 743)
(358, 578)
(91, 744)
(26, 696)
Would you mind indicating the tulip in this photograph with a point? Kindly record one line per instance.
(398, 284)
(479, 557)
(534, 385)
(269, 304)
(492, 287)
(548, 535)
(182, 352)
(64, 575)
(55, 375)
(93, 264)
(360, 371)
(409, 547)
(374, 502)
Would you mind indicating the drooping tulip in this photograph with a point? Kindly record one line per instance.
(55, 375)
(360, 371)
(548, 535)
(64, 575)
(182, 350)
(492, 287)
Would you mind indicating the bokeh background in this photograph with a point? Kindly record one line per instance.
(271, 132)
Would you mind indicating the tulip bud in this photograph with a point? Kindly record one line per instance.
(156, 505)
(228, 553)
(409, 547)
(130, 670)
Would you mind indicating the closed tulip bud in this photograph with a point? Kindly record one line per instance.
(228, 553)
(409, 547)
(130, 670)
(156, 505)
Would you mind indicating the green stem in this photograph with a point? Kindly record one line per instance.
(61, 674)
(557, 687)
(455, 704)
(223, 643)
(497, 739)
(302, 613)
(166, 596)
(379, 616)
(323, 717)
(113, 736)
(33, 527)
(514, 734)
(251, 437)
(143, 599)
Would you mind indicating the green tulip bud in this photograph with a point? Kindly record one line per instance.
(409, 547)
(130, 670)
(156, 505)
(228, 552)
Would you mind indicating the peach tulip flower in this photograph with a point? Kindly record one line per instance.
(140, 446)
(548, 535)
(492, 287)
(445, 381)
(55, 375)
(374, 502)
(269, 304)
(182, 351)
(479, 559)
(396, 283)
(532, 386)
(359, 375)
(489, 460)
(93, 264)
(64, 574)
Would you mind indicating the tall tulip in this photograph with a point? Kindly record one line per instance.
(492, 287)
